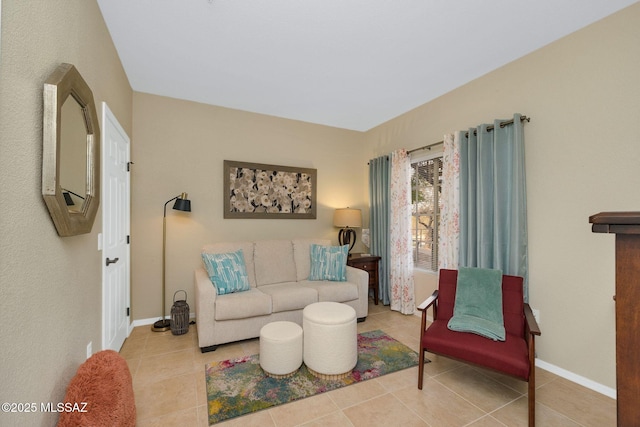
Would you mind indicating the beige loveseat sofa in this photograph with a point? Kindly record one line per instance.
(278, 272)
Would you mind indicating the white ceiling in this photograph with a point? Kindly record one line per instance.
(351, 64)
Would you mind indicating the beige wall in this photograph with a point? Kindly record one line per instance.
(583, 157)
(180, 146)
(50, 287)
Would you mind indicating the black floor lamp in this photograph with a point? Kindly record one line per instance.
(181, 204)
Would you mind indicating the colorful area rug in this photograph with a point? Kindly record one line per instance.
(239, 386)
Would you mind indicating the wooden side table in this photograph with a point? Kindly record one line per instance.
(368, 263)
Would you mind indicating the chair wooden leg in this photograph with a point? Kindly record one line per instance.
(532, 396)
(420, 368)
(423, 327)
(531, 392)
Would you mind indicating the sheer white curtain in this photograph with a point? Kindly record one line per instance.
(401, 286)
(449, 239)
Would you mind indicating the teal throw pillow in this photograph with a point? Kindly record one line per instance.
(227, 271)
(329, 263)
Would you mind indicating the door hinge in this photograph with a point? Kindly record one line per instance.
(128, 239)
(129, 166)
(128, 312)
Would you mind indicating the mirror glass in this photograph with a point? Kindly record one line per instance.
(70, 152)
(73, 155)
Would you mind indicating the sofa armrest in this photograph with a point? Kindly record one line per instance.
(358, 276)
(361, 279)
(205, 299)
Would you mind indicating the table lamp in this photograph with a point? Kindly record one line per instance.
(347, 219)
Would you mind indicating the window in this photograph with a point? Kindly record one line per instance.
(426, 188)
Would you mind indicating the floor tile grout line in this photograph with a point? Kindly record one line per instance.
(325, 415)
(485, 416)
(446, 371)
(560, 414)
(484, 373)
(411, 410)
(461, 397)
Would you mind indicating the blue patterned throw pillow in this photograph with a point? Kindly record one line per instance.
(227, 271)
(329, 263)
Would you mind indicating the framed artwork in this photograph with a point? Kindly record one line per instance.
(254, 190)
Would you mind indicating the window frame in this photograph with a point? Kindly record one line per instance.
(422, 157)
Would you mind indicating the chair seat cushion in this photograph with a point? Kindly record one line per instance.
(509, 356)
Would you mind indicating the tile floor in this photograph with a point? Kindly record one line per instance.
(169, 385)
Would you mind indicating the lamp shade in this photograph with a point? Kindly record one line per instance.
(182, 203)
(347, 217)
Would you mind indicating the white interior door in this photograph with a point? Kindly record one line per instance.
(115, 232)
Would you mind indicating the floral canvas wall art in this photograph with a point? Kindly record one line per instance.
(253, 190)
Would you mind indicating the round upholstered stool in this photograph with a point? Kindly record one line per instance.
(280, 349)
(330, 339)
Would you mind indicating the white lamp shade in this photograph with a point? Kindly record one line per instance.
(347, 217)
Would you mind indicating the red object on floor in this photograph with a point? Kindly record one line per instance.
(100, 394)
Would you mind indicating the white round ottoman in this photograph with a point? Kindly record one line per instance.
(280, 349)
(330, 339)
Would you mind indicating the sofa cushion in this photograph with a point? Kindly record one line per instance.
(274, 262)
(329, 263)
(242, 305)
(333, 291)
(227, 271)
(302, 255)
(290, 296)
(247, 251)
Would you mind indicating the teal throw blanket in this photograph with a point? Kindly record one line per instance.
(478, 305)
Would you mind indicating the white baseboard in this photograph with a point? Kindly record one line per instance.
(151, 321)
(578, 379)
(568, 375)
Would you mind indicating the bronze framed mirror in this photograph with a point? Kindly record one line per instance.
(71, 152)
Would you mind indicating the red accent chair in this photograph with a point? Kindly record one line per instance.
(515, 356)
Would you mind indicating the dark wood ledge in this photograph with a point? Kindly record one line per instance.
(616, 222)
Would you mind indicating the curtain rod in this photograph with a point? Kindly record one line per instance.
(426, 147)
(489, 128)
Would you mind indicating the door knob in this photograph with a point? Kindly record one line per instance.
(111, 261)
